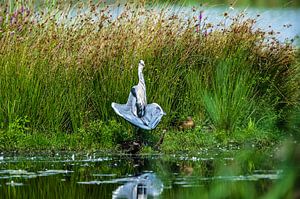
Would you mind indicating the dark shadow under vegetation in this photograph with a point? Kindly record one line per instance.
(60, 73)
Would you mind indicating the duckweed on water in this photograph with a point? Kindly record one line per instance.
(62, 66)
(216, 174)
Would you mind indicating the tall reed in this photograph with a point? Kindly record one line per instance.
(62, 67)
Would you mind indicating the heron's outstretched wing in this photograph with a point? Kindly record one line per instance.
(153, 115)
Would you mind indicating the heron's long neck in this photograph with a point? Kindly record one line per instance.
(141, 77)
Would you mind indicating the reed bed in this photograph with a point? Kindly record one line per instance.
(62, 66)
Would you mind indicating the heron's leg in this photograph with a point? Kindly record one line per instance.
(138, 134)
(160, 141)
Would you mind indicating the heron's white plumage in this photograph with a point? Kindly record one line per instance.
(140, 91)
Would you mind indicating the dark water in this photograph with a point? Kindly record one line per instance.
(208, 174)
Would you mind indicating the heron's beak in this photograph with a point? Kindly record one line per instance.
(142, 63)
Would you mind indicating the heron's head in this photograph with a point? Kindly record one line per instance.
(141, 64)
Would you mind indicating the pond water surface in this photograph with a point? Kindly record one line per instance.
(207, 174)
(283, 22)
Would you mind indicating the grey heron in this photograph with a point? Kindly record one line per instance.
(136, 110)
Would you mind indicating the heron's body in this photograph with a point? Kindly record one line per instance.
(139, 92)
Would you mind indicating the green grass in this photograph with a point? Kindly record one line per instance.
(58, 78)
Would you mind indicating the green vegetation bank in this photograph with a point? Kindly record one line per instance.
(61, 68)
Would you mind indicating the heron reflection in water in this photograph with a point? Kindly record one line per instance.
(140, 187)
(136, 110)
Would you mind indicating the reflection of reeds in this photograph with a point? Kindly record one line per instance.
(63, 72)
